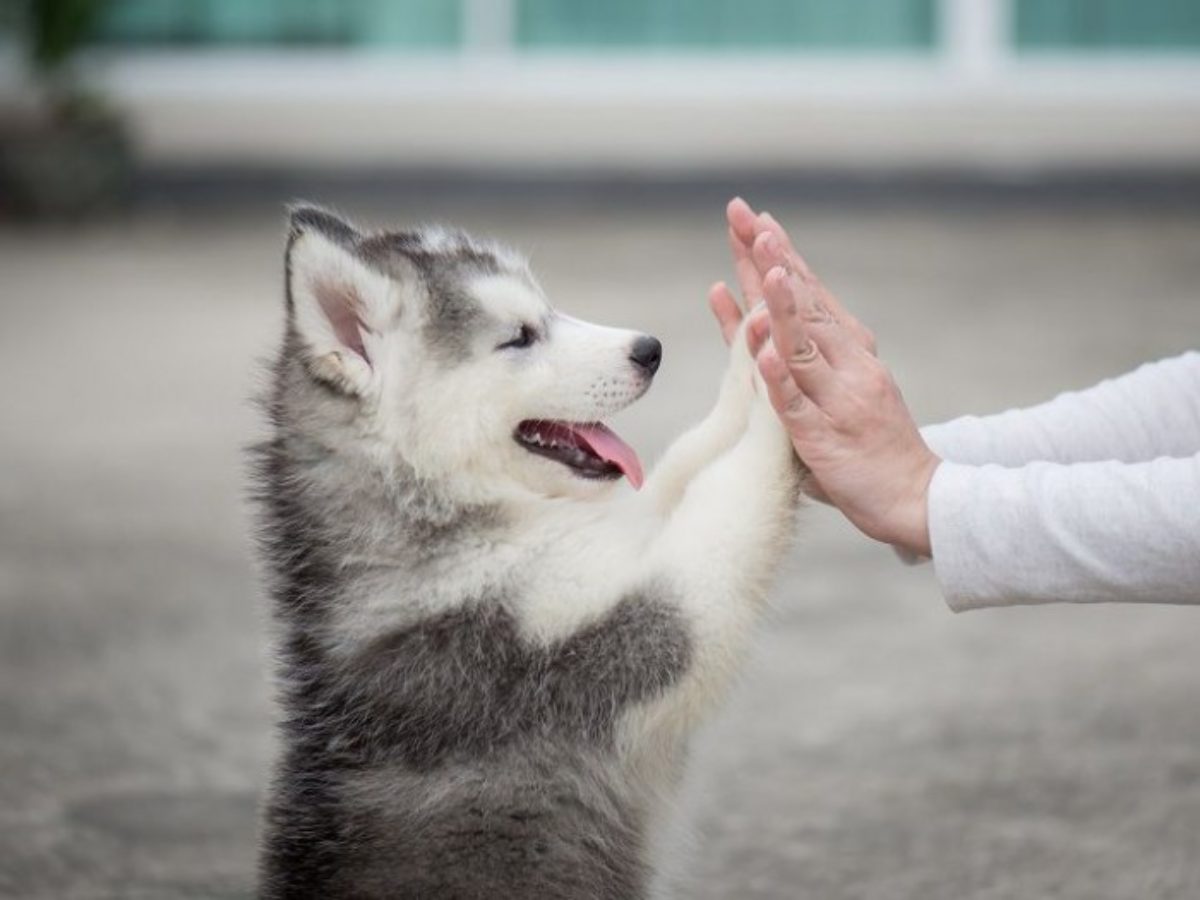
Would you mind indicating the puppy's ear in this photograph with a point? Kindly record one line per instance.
(336, 301)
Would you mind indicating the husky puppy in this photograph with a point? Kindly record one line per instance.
(490, 655)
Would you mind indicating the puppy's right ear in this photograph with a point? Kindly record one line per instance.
(336, 301)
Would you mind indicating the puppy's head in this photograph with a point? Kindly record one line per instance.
(455, 363)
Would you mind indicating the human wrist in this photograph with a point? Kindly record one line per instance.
(907, 528)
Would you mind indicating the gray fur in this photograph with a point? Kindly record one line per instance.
(442, 259)
(448, 757)
(450, 312)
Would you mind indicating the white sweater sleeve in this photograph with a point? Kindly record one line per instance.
(1078, 533)
(1150, 412)
(1102, 500)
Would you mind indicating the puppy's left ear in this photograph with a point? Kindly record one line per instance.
(336, 301)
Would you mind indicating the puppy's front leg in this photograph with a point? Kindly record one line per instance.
(712, 436)
(723, 543)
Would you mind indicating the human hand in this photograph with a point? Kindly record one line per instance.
(744, 226)
(843, 411)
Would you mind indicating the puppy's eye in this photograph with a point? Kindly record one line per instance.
(525, 338)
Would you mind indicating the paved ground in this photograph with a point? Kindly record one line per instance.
(879, 747)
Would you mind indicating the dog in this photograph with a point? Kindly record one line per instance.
(490, 651)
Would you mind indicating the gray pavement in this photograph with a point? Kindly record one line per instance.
(879, 747)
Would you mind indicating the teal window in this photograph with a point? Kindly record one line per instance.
(648, 26)
(415, 24)
(538, 24)
(1107, 24)
(727, 24)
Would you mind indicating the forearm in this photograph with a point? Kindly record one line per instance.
(1150, 412)
(697, 448)
(1077, 530)
(1090, 532)
(733, 523)
(700, 446)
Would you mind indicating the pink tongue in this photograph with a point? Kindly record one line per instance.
(605, 444)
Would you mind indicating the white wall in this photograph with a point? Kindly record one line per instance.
(972, 105)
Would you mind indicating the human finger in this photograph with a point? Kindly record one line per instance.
(800, 416)
(725, 309)
(765, 223)
(741, 218)
(758, 329)
(748, 278)
(793, 341)
(839, 346)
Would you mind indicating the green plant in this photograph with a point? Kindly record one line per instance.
(66, 153)
(55, 30)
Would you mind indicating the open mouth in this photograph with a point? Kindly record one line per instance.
(590, 450)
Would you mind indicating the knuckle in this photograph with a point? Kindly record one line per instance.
(872, 383)
(818, 313)
(879, 387)
(872, 372)
(796, 405)
(805, 356)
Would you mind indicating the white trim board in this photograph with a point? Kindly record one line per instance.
(662, 113)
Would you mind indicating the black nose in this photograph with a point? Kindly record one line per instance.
(647, 353)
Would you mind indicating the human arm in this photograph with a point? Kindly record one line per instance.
(1150, 412)
(1039, 533)
(1088, 532)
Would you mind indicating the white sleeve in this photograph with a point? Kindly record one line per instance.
(1150, 412)
(1090, 532)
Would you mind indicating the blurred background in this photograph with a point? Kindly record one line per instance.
(1007, 191)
